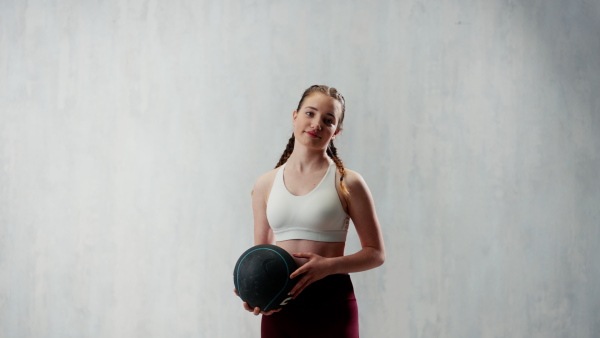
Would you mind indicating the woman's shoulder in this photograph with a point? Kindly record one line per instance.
(266, 177)
(355, 183)
(264, 182)
(353, 178)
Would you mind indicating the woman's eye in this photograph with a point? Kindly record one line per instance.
(309, 113)
(329, 121)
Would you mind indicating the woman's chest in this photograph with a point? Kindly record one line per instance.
(302, 184)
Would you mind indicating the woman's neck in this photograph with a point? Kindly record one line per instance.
(303, 159)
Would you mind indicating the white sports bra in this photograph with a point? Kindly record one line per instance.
(316, 216)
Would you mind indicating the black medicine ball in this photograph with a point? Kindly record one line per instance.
(262, 276)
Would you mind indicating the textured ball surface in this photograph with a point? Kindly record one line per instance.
(262, 276)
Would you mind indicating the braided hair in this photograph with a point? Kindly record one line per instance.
(331, 150)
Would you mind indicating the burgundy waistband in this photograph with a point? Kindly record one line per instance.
(332, 287)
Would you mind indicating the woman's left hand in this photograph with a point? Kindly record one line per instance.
(316, 268)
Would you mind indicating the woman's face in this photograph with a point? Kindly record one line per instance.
(316, 123)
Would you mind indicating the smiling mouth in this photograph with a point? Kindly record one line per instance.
(313, 134)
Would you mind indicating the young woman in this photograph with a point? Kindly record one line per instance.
(304, 206)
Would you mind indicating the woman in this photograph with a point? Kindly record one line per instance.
(304, 206)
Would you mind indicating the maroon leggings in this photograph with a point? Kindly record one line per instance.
(326, 308)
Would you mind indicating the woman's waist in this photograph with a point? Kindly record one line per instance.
(323, 249)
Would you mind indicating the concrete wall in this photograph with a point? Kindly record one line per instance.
(131, 133)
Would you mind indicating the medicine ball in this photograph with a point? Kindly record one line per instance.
(262, 276)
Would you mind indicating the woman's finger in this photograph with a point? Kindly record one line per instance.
(270, 312)
(295, 289)
(299, 271)
(303, 254)
(247, 307)
(299, 291)
(302, 283)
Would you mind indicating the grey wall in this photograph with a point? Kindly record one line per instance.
(131, 133)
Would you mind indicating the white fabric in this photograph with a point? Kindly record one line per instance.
(316, 216)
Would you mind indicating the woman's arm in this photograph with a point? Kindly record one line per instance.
(361, 209)
(262, 231)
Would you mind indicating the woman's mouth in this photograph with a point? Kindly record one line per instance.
(311, 134)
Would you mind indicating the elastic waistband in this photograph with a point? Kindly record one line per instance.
(332, 287)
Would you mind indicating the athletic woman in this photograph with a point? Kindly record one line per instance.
(304, 206)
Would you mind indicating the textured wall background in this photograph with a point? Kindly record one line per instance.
(131, 133)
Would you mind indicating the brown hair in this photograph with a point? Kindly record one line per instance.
(331, 150)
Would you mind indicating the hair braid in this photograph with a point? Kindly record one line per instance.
(332, 152)
(287, 152)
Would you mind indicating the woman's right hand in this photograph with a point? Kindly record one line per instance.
(256, 310)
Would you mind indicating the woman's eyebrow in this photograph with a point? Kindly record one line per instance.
(311, 107)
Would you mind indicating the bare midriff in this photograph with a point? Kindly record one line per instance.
(324, 249)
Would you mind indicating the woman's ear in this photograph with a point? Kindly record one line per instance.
(294, 116)
(334, 134)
